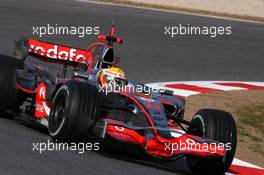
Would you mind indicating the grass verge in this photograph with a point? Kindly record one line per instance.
(251, 126)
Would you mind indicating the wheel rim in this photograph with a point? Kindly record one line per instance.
(198, 126)
(57, 116)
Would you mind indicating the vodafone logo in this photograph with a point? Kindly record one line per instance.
(59, 52)
(55, 53)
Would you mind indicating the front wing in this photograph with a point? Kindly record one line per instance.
(178, 145)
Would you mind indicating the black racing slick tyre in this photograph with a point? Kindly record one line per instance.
(75, 110)
(8, 92)
(219, 126)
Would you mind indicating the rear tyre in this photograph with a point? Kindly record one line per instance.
(75, 109)
(219, 126)
(8, 92)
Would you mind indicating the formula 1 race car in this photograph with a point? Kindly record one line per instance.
(97, 102)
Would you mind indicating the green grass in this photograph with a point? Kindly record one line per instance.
(251, 127)
(253, 116)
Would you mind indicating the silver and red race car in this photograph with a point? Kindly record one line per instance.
(76, 108)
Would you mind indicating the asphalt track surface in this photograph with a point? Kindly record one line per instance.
(147, 56)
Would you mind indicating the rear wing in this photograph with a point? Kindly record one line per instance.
(50, 52)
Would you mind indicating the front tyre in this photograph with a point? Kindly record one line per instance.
(219, 126)
(75, 109)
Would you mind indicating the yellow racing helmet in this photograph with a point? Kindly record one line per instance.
(113, 75)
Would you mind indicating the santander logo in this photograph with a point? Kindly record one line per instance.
(54, 51)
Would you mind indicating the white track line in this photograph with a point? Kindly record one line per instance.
(245, 164)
